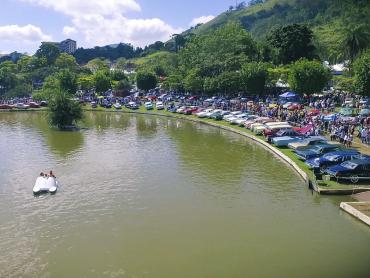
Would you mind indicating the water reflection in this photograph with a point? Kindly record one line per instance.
(61, 143)
(146, 126)
(229, 161)
(104, 121)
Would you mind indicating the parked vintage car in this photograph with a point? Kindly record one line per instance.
(21, 105)
(232, 114)
(6, 106)
(310, 141)
(159, 105)
(190, 110)
(204, 113)
(353, 170)
(320, 164)
(33, 104)
(282, 133)
(132, 105)
(286, 140)
(316, 151)
(149, 105)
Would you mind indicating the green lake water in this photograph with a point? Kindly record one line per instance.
(145, 196)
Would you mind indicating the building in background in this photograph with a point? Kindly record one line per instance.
(68, 46)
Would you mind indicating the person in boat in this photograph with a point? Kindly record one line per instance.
(42, 174)
(52, 175)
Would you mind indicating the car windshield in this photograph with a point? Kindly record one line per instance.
(317, 149)
(332, 157)
(349, 165)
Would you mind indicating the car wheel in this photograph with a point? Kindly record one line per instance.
(354, 179)
(323, 169)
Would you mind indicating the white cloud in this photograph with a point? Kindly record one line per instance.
(27, 33)
(201, 20)
(68, 30)
(77, 7)
(102, 30)
(102, 22)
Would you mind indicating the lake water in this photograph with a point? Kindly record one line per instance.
(145, 196)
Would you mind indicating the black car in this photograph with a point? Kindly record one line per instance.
(353, 170)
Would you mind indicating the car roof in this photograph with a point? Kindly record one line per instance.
(344, 152)
(360, 161)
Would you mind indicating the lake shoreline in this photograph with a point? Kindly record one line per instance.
(306, 176)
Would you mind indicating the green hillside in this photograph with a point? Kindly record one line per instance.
(328, 19)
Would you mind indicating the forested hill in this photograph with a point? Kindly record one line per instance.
(327, 18)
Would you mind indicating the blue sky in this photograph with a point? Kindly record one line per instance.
(25, 23)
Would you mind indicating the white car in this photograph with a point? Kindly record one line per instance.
(209, 114)
(232, 114)
(241, 121)
(159, 105)
(204, 113)
(237, 118)
(22, 106)
(181, 110)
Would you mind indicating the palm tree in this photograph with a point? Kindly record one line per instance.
(355, 40)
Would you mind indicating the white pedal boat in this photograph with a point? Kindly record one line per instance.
(45, 185)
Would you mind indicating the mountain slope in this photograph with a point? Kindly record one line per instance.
(326, 17)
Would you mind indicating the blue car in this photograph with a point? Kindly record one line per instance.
(353, 170)
(316, 151)
(320, 164)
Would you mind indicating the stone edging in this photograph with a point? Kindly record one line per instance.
(347, 207)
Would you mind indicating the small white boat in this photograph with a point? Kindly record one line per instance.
(45, 185)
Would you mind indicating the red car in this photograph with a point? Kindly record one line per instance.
(198, 110)
(6, 106)
(313, 112)
(190, 110)
(34, 105)
(295, 106)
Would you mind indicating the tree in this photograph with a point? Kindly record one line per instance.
(67, 81)
(293, 42)
(224, 49)
(97, 64)
(63, 110)
(308, 77)
(117, 75)
(146, 80)
(356, 39)
(174, 82)
(48, 51)
(229, 82)
(179, 41)
(102, 81)
(8, 77)
(362, 74)
(123, 85)
(254, 76)
(193, 82)
(66, 61)
(344, 83)
(86, 82)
